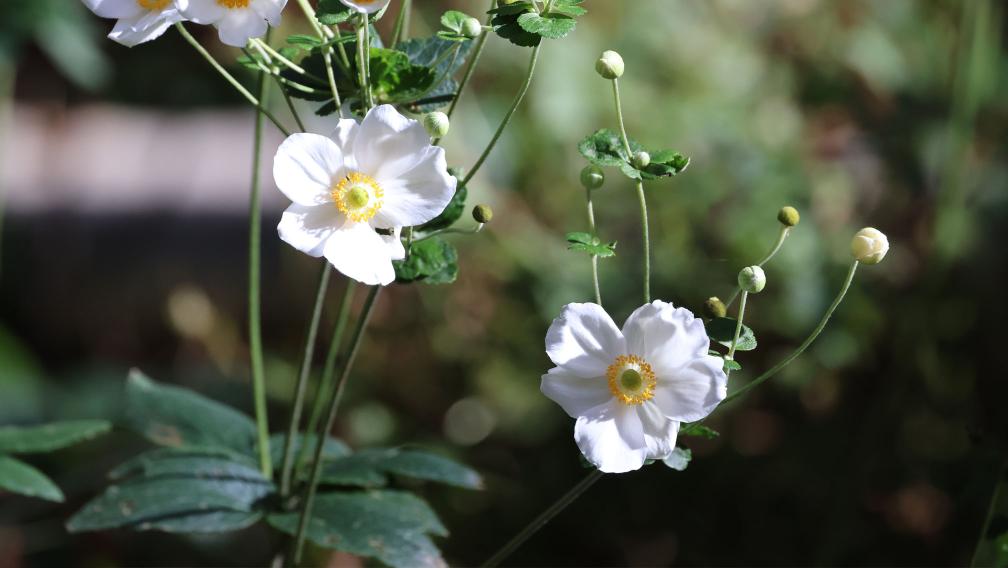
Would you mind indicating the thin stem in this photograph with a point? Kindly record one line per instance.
(302, 381)
(471, 66)
(738, 330)
(545, 517)
(230, 78)
(801, 348)
(1000, 481)
(401, 26)
(280, 81)
(645, 232)
(619, 115)
(784, 232)
(507, 117)
(594, 258)
(316, 470)
(331, 78)
(364, 53)
(293, 109)
(254, 296)
(451, 231)
(264, 47)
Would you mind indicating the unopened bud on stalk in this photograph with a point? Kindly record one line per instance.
(640, 160)
(609, 65)
(869, 246)
(788, 216)
(436, 123)
(482, 213)
(714, 308)
(752, 279)
(471, 28)
(592, 177)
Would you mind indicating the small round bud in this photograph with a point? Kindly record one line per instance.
(640, 160)
(788, 216)
(609, 65)
(482, 213)
(436, 124)
(592, 177)
(869, 246)
(714, 308)
(752, 279)
(471, 28)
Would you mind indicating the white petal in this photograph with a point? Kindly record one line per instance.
(576, 395)
(418, 195)
(693, 391)
(344, 136)
(584, 340)
(359, 252)
(394, 243)
(666, 337)
(305, 166)
(269, 10)
(365, 6)
(130, 33)
(203, 11)
(114, 8)
(389, 144)
(659, 432)
(611, 437)
(307, 227)
(239, 25)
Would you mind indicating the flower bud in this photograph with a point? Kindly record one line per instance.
(788, 216)
(714, 308)
(609, 65)
(752, 279)
(592, 177)
(640, 160)
(471, 28)
(436, 124)
(869, 246)
(482, 213)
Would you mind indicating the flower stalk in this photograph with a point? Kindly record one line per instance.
(594, 257)
(645, 232)
(781, 237)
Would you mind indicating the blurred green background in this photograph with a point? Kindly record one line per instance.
(880, 446)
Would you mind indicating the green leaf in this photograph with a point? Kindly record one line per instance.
(49, 437)
(304, 40)
(368, 468)
(505, 24)
(698, 430)
(551, 26)
(427, 52)
(586, 242)
(164, 462)
(605, 148)
(722, 330)
(394, 79)
(332, 12)
(179, 418)
(568, 7)
(522, 24)
(679, 459)
(23, 479)
(391, 526)
(333, 448)
(453, 20)
(992, 550)
(431, 260)
(452, 212)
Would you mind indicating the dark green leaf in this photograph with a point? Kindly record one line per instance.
(23, 479)
(432, 261)
(605, 148)
(992, 549)
(722, 330)
(367, 468)
(551, 26)
(453, 211)
(679, 459)
(505, 24)
(333, 447)
(49, 437)
(332, 12)
(427, 52)
(165, 462)
(585, 242)
(392, 526)
(699, 430)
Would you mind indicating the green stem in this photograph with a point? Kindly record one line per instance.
(594, 258)
(400, 30)
(280, 81)
(1000, 481)
(784, 232)
(619, 116)
(450, 231)
(230, 78)
(302, 381)
(545, 517)
(271, 53)
(471, 66)
(507, 117)
(316, 468)
(738, 329)
(364, 54)
(645, 232)
(801, 348)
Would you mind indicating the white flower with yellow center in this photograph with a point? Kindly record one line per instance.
(365, 6)
(236, 20)
(629, 389)
(138, 20)
(353, 192)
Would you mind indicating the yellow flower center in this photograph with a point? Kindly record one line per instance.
(153, 5)
(631, 379)
(233, 4)
(358, 196)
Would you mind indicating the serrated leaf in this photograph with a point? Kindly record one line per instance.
(699, 430)
(18, 477)
(551, 26)
(333, 12)
(179, 418)
(679, 459)
(368, 468)
(722, 330)
(505, 24)
(605, 148)
(453, 20)
(391, 526)
(49, 437)
(588, 243)
(568, 7)
(431, 260)
(427, 52)
(731, 365)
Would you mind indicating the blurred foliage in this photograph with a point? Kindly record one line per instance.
(881, 445)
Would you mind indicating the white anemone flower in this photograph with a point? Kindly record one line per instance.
(236, 20)
(365, 6)
(139, 21)
(630, 389)
(380, 175)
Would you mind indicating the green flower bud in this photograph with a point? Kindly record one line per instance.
(592, 177)
(752, 279)
(640, 160)
(436, 124)
(788, 216)
(482, 213)
(471, 28)
(869, 246)
(714, 308)
(609, 65)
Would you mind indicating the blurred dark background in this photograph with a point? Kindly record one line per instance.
(125, 174)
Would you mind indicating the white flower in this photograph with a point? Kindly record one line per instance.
(365, 6)
(630, 389)
(380, 174)
(236, 20)
(869, 246)
(138, 20)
